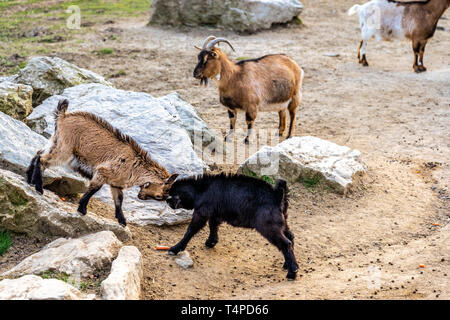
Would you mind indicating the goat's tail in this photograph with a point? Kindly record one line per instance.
(63, 104)
(282, 191)
(353, 9)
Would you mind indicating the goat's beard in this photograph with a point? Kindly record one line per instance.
(204, 81)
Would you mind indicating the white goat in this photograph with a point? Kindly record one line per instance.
(389, 19)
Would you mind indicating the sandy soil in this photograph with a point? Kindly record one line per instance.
(370, 244)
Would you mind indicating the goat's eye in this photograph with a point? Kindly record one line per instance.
(147, 185)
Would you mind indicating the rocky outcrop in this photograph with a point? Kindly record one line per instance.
(49, 76)
(18, 145)
(31, 287)
(23, 210)
(15, 99)
(237, 15)
(124, 281)
(76, 257)
(308, 159)
(154, 123)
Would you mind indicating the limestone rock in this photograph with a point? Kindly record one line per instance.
(237, 15)
(80, 257)
(31, 287)
(307, 157)
(48, 76)
(23, 210)
(124, 281)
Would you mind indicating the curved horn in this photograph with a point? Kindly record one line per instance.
(216, 41)
(206, 41)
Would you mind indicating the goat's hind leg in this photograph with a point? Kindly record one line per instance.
(213, 233)
(362, 52)
(95, 185)
(277, 238)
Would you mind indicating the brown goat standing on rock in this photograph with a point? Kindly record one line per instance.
(269, 83)
(104, 155)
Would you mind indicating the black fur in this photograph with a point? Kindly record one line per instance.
(36, 177)
(241, 62)
(241, 201)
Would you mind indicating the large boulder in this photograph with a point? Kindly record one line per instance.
(237, 15)
(152, 122)
(24, 210)
(199, 132)
(80, 257)
(49, 76)
(31, 287)
(19, 144)
(307, 159)
(15, 99)
(124, 281)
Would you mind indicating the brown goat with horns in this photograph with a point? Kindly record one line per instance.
(269, 83)
(104, 155)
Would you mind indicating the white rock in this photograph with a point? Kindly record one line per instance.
(49, 76)
(77, 257)
(237, 15)
(152, 122)
(184, 260)
(124, 281)
(24, 210)
(31, 287)
(306, 157)
(19, 144)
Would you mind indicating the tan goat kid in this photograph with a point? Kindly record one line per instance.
(103, 154)
(269, 83)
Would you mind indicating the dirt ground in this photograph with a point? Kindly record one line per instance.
(387, 240)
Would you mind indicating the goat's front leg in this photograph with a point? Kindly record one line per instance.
(117, 195)
(419, 49)
(250, 117)
(421, 53)
(232, 115)
(197, 223)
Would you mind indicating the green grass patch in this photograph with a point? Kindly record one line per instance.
(311, 182)
(265, 178)
(5, 241)
(55, 275)
(105, 51)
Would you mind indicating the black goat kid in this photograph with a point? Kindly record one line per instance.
(240, 201)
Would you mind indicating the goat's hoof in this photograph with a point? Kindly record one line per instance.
(123, 223)
(291, 275)
(39, 189)
(247, 141)
(82, 210)
(174, 251)
(210, 243)
(364, 64)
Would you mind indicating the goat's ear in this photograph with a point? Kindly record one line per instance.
(172, 178)
(198, 48)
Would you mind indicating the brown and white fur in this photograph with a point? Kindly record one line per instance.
(269, 83)
(104, 155)
(389, 19)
